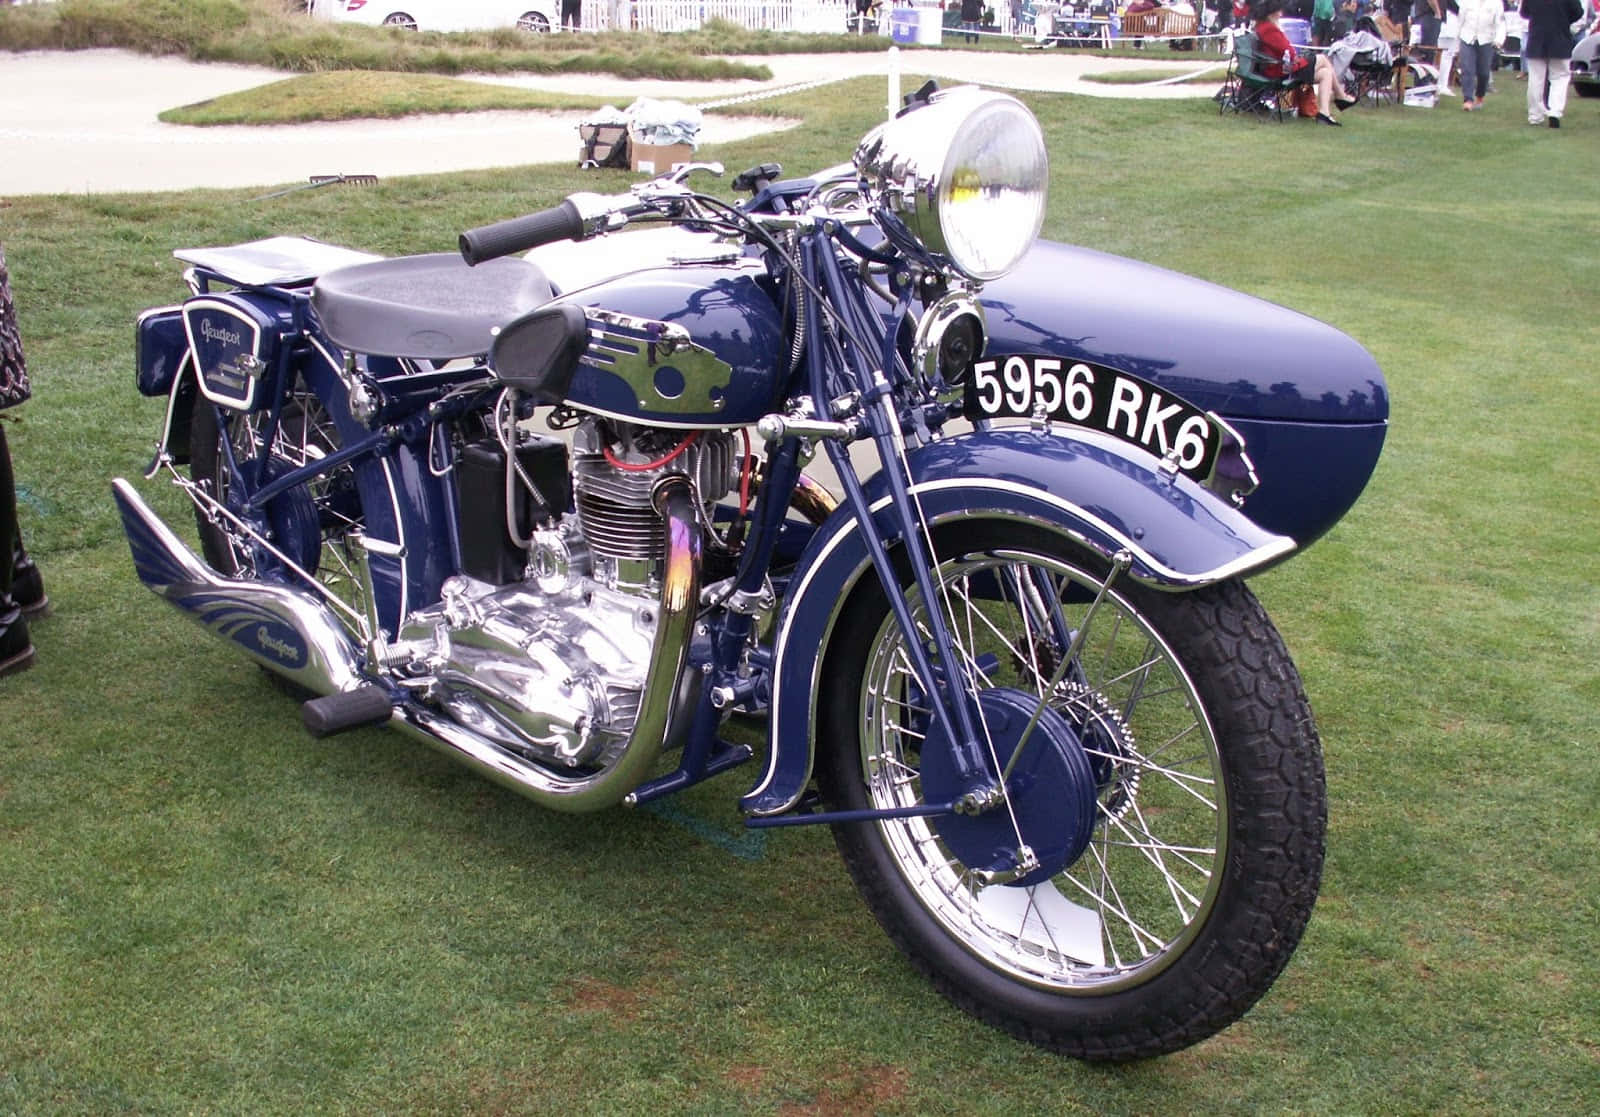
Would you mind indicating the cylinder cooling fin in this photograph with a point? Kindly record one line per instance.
(615, 481)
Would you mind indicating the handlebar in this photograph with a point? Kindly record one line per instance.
(581, 216)
(519, 234)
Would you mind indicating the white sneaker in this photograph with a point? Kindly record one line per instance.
(1443, 92)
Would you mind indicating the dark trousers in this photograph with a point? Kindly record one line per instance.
(1476, 60)
(10, 535)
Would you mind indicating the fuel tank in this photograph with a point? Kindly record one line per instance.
(688, 345)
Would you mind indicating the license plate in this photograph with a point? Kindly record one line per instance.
(1105, 399)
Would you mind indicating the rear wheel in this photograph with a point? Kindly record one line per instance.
(400, 20)
(536, 22)
(1172, 790)
(307, 527)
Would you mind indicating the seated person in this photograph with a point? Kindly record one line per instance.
(1276, 50)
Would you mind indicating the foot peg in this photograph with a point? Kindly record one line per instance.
(349, 709)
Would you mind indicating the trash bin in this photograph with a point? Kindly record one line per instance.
(903, 25)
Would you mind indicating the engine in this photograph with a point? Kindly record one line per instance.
(545, 644)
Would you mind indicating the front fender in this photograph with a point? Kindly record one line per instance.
(1178, 534)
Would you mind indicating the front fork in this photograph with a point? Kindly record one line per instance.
(948, 679)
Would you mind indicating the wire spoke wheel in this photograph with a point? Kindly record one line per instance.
(235, 453)
(1196, 735)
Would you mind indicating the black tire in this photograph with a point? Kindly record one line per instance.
(1219, 878)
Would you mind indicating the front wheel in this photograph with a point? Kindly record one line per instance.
(536, 22)
(1172, 789)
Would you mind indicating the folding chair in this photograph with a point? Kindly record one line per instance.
(1246, 89)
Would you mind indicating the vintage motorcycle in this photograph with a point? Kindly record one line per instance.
(552, 516)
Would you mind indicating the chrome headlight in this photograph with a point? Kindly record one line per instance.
(965, 175)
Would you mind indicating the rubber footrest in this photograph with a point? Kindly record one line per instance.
(350, 709)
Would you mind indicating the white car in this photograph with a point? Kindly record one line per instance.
(442, 15)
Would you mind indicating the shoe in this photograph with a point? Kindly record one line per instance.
(1447, 92)
(27, 586)
(1555, 122)
(1540, 121)
(1324, 118)
(1344, 102)
(16, 649)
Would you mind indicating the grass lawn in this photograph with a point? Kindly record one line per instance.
(202, 910)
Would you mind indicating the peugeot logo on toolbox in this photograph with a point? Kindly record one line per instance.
(211, 333)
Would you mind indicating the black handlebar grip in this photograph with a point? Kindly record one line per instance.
(562, 222)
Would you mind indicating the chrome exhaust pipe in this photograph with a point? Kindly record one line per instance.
(576, 793)
(293, 635)
(288, 632)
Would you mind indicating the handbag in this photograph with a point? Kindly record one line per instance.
(1305, 100)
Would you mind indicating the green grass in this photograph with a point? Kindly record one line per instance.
(203, 910)
(365, 94)
(276, 34)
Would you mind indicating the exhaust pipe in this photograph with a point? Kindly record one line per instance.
(580, 793)
(291, 634)
(288, 632)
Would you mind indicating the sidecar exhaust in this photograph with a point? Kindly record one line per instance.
(288, 632)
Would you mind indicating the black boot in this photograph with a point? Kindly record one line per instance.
(16, 650)
(27, 585)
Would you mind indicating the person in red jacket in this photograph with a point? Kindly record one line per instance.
(1285, 60)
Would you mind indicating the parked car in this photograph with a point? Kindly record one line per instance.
(1586, 66)
(538, 16)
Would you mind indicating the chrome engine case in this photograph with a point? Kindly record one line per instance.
(555, 666)
(555, 676)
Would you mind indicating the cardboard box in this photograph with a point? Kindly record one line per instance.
(655, 159)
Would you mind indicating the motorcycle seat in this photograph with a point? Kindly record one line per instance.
(431, 307)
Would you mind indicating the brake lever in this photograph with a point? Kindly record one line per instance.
(681, 174)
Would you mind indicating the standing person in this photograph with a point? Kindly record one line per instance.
(1319, 73)
(971, 18)
(1483, 29)
(1344, 18)
(1547, 49)
(1448, 40)
(21, 588)
(571, 15)
(1426, 16)
(1322, 23)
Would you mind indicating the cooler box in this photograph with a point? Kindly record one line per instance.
(903, 25)
(1297, 31)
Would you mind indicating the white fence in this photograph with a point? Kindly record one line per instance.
(687, 15)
